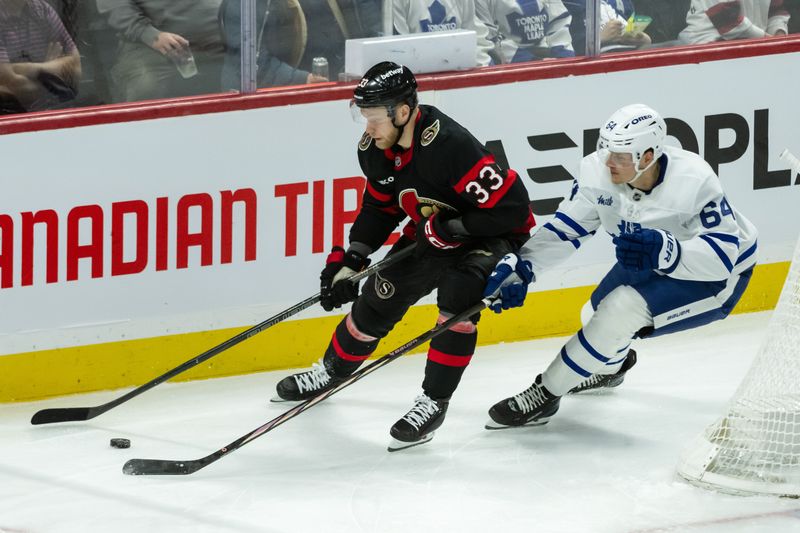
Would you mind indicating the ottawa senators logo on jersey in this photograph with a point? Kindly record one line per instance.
(365, 141)
(429, 134)
(419, 207)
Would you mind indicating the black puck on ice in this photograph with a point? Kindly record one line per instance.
(120, 443)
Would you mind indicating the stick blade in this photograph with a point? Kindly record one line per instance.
(160, 467)
(65, 414)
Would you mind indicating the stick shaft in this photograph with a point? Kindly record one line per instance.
(68, 414)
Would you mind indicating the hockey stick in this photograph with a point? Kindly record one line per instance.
(787, 156)
(145, 467)
(71, 414)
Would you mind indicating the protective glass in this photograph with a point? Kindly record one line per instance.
(374, 116)
(618, 159)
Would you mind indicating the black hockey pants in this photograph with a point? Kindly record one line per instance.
(460, 277)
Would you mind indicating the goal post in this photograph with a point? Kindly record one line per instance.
(754, 448)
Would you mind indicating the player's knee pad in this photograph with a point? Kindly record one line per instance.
(373, 316)
(621, 313)
(463, 284)
(458, 290)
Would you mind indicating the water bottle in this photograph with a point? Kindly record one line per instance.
(319, 67)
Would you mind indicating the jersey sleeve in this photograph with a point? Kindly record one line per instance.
(471, 21)
(558, 37)
(727, 18)
(712, 252)
(498, 198)
(575, 221)
(379, 215)
(777, 17)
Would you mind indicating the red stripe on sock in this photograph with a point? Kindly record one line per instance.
(448, 360)
(344, 355)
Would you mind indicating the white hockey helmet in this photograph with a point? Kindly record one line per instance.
(633, 129)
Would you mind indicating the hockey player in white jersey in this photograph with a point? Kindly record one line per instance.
(715, 20)
(526, 30)
(684, 258)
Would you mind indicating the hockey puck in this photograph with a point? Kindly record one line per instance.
(120, 443)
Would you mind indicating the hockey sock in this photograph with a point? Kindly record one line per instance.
(601, 344)
(349, 347)
(448, 357)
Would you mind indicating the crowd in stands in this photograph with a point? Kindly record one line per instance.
(67, 53)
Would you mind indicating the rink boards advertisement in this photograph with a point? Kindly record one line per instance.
(128, 248)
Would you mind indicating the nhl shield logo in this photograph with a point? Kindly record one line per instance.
(383, 288)
(429, 134)
(365, 141)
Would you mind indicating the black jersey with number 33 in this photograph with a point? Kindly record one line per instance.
(446, 169)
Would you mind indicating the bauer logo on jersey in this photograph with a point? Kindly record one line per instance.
(429, 134)
(365, 141)
(383, 287)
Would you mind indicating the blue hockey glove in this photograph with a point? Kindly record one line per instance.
(335, 289)
(509, 281)
(648, 249)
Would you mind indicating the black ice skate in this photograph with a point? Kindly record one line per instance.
(606, 381)
(418, 425)
(532, 407)
(305, 385)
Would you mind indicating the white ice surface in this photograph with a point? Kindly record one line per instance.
(605, 463)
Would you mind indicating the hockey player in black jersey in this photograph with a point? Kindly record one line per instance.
(465, 211)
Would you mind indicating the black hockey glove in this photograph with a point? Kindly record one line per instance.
(334, 288)
(433, 237)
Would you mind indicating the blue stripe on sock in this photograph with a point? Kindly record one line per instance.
(597, 355)
(573, 365)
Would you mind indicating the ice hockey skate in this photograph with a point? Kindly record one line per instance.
(532, 407)
(418, 425)
(304, 385)
(606, 381)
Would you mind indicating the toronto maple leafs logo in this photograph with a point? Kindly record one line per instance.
(438, 20)
(530, 25)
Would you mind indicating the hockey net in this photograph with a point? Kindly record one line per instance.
(755, 446)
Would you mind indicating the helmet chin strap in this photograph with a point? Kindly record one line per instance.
(400, 127)
(640, 172)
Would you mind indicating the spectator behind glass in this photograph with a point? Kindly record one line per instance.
(714, 20)
(157, 37)
(291, 33)
(421, 16)
(793, 7)
(614, 16)
(39, 63)
(669, 18)
(526, 30)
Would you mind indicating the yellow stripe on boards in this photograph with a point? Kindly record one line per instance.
(46, 373)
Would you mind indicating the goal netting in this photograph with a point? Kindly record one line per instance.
(755, 446)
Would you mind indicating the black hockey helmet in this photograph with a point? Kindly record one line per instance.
(386, 84)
